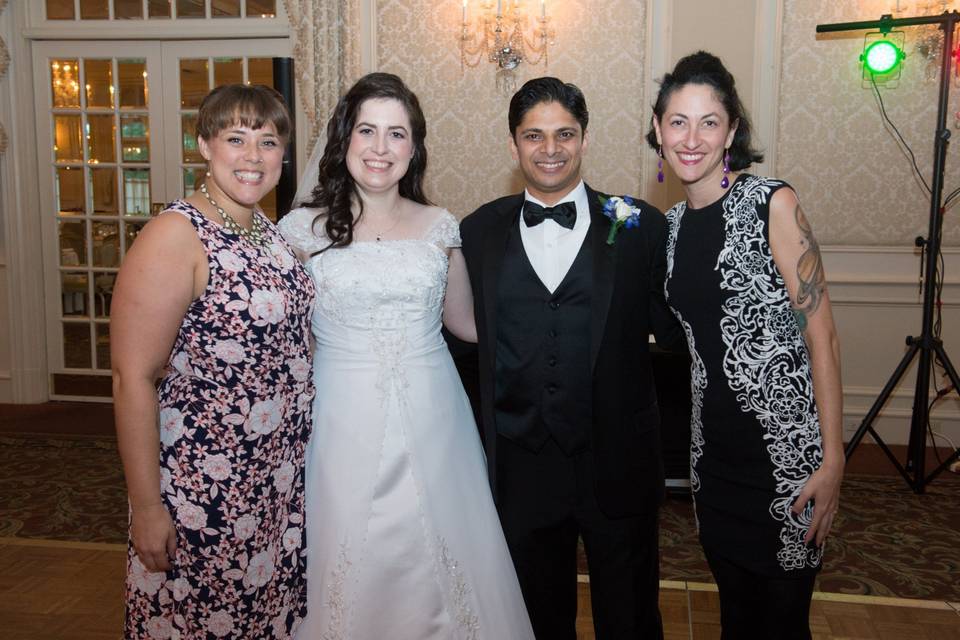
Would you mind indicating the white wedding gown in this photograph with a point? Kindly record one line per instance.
(403, 539)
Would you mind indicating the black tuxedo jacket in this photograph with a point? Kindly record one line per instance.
(627, 304)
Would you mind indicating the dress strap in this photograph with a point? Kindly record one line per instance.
(444, 231)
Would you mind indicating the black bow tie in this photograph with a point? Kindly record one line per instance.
(564, 214)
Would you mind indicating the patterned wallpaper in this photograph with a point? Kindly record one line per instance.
(600, 48)
(851, 174)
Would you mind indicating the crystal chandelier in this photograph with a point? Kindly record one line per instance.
(66, 89)
(501, 33)
(928, 41)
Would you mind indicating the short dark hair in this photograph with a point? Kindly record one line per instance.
(707, 69)
(249, 105)
(547, 89)
(336, 186)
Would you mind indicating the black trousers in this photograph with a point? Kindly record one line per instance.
(546, 501)
(756, 606)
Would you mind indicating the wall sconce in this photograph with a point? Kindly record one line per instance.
(501, 32)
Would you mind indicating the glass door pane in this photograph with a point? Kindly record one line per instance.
(99, 164)
(218, 63)
(116, 134)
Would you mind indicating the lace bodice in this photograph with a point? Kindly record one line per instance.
(382, 286)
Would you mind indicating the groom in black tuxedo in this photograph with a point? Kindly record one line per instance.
(569, 409)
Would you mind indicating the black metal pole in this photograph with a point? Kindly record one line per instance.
(885, 22)
(926, 344)
(918, 427)
(283, 82)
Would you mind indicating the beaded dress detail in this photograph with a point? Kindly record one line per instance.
(405, 540)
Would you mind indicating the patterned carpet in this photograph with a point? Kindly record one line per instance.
(887, 541)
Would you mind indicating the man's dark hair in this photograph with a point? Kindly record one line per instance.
(547, 89)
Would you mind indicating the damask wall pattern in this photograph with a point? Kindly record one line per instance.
(600, 48)
(855, 182)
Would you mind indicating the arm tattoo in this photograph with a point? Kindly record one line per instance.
(811, 280)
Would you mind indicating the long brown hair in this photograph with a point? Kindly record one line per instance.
(336, 188)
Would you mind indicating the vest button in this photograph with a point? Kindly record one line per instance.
(552, 362)
(552, 333)
(554, 305)
(551, 389)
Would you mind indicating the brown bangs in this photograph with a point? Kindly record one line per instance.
(245, 105)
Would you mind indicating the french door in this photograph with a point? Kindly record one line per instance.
(115, 130)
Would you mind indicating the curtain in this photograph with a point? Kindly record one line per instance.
(326, 55)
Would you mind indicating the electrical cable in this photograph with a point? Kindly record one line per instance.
(883, 112)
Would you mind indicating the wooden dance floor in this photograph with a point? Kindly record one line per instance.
(53, 590)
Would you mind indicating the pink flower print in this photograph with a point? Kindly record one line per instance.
(144, 580)
(304, 401)
(159, 628)
(220, 624)
(283, 477)
(181, 363)
(245, 526)
(180, 589)
(230, 351)
(292, 538)
(231, 261)
(191, 516)
(299, 369)
(171, 426)
(267, 306)
(264, 417)
(260, 569)
(281, 257)
(279, 624)
(217, 466)
(165, 479)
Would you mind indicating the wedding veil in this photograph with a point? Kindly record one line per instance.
(311, 173)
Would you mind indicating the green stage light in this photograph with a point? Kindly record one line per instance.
(882, 57)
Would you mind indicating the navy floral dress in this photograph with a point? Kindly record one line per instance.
(235, 416)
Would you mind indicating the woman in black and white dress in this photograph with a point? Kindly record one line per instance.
(744, 277)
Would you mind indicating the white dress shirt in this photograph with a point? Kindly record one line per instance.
(551, 248)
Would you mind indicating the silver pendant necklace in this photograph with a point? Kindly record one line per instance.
(379, 234)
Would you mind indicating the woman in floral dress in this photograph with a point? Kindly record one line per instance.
(211, 299)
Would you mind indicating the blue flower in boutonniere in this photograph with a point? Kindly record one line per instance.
(622, 212)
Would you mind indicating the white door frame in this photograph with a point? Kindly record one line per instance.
(163, 106)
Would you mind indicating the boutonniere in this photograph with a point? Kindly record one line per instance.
(622, 213)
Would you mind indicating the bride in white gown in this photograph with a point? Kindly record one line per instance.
(403, 539)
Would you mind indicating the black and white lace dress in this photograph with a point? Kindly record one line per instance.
(755, 433)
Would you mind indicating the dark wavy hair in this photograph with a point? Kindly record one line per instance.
(707, 69)
(336, 189)
(547, 89)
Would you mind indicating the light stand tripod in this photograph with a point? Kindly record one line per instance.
(926, 345)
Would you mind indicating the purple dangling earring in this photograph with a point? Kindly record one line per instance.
(726, 169)
(660, 163)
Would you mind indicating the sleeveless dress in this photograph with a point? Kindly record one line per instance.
(408, 544)
(234, 422)
(755, 433)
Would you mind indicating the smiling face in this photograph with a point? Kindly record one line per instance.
(244, 163)
(695, 132)
(549, 144)
(381, 145)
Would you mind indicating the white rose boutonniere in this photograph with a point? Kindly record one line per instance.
(622, 212)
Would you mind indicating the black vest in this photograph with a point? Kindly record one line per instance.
(543, 377)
